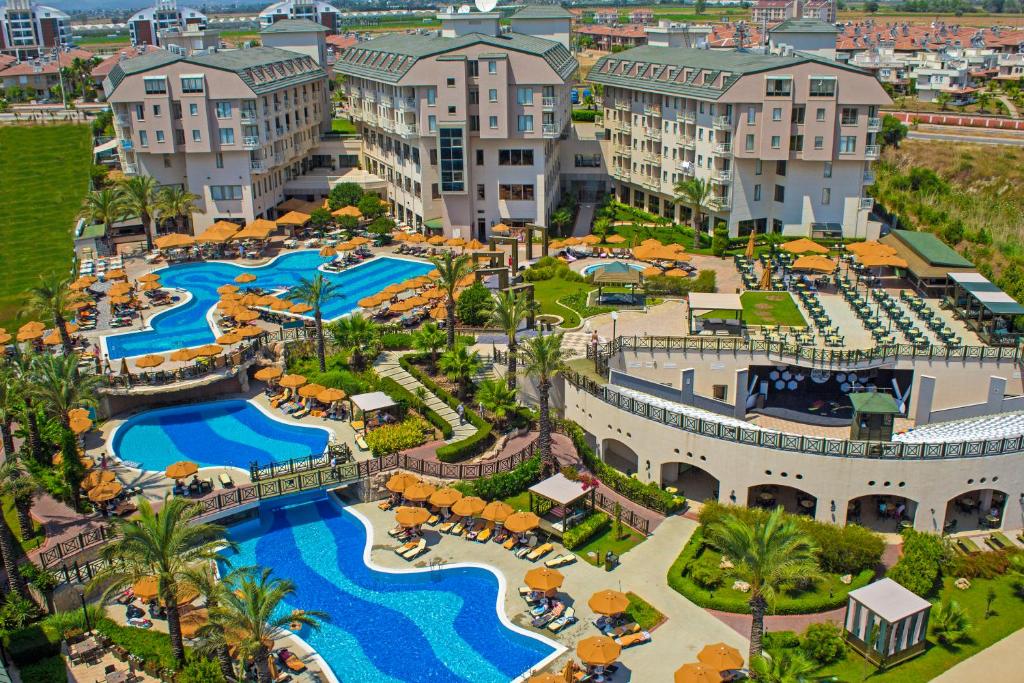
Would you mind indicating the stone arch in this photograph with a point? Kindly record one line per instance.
(886, 513)
(791, 498)
(976, 509)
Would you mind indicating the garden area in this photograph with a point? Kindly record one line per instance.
(765, 308)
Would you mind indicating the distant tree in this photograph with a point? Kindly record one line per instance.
(893, 130)
(871, 7)
(699, 6)
(560, 219)
(371, 206)
(984, 101)
(474, 305)
(943, 99)
(950, 623)
(720, 240)
(382, 225)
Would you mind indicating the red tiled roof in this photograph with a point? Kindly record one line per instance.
(724, 35)
(6, 61)
(47, 66)
(341, 42)
(101, 70)
(923, 35)
(629, 31)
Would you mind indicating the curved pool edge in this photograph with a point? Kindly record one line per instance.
(559, 649)
(109, 445)
(147, 326)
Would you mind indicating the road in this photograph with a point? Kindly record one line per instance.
(981, 140)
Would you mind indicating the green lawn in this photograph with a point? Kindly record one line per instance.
(547, 292)
(643, 612)
(343, 126)
(43, 178)
(602, 543)
(765, 308)
(1008, 617)
(11, 519)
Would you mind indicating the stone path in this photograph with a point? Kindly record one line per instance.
(387, 365)
(1010, 106)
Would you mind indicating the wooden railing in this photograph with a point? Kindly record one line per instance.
(628, 517)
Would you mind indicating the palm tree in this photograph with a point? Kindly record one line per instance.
(15, 581)
(250, 613)
(9, 408)
(203, 580)
(51, 299)
(315, 292)
(782, 666)
(459, 365)
(984, 101)
(543, 358)
(140, 199)
(497, 397)
(560, 219)
(164, 546)
(943, 99)
(60, 386)
(429, 338)
(359, 334)
(22, 385)
(694, 193)
(950, 623)
(766, 552)
(452, 269)
(508, 313)
(175, 203)
(19, 485)
(104, 206)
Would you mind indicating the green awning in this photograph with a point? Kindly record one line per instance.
(434, 223)
(875, 403)
(988, 295)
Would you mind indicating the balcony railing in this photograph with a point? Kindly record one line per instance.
(623, 150)
(624, 105)
(867, 203)
(688, 143)
(123, 121)
(251, 142)
(248, 116)
(549, 102)
(874, 124)
(405, 103)
(406, 130)
(652, 157)
(621, 126)
(652, 133)
(717, 203)
(869, 178)
(723, 149)
(688, 117)
(723, 175)
(387, 123)
(386, 103)
(872, 151)
(721, 123)
(549, 130)
(621, 173)
(648, 182)
(652, 109)
(257, 165)
(686, 168)
(130, 169)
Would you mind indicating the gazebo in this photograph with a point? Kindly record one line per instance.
(618, 275)
(886, 622)
(700, 301)
(874, 413)
(369, 404)
(572, 501)
(985, 308)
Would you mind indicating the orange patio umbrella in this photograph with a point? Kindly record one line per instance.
(372, 301)
(470, 506)
(301, 308)
(150, 286)
(870, 247)
(439, 312)
(123, 299)
(598, 650)
(292, 381)
(97, 477)
(500, 228)
(437, 240)
(721, 657)
(476, 245)
(227, 289)
(181, 469)
(330, 395)
(229, 338)
(119, 288)
(445, 497)
(590, 239)
(245, 278)
(419, 492)
(174, 240)
(455, 242)
(80, 425)
(360, 241)
(192, 621)
(245, 316)
(676, 272)
(209, 350)
(546, 678)
(415, 301)
(883, 261)
(544, 579)
(697, 673)
(327, 252)
(400, 481)
(497, 511)
(347, 211)
(183, 355)
(116, 274)
(146, 588)
(249, 331)
(401, 306)
(616, 239)
(268, 373)
(149, 277)
(153, 360)
(804, 246)
(105, 492)
(608, 602)
(652, 271)
(818, 264)
(411, 516)
(521, 522)
(416, 238)
(311, 390)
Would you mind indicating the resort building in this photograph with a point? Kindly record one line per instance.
(786, 141)
(606, 16)
(641, 16)
(41, 74)
(145, 27)
(464, 125)
(601, 37)
(319, 12)
(231, 127)
(27, 30)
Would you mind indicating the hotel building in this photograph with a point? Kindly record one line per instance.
(322, 13)
(787, 141)
(465, 125)
(145, 26)
(27, 30)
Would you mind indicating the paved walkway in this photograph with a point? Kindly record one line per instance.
(584, 219)
(387, 365)
(1010, 106)
(995, 663)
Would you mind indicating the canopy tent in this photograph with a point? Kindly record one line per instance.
(818, 264)
(886, 621)
(259, 229)
(700, 301)
(617, 275)
(372, 402)
(347, 211)
(576, 500)
(294, 218)
(174, 240)
(219, 233)
(985, 308)
(930, 261)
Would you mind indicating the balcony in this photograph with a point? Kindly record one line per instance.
(369, 97)
(549, 130)
(122, 121)
(257, 165)
(723, 149)
(251, 142)
(652, 109)
(130, 169)
(549, 102)
(620, 174)
(387, 124)
(688, 143)
(405, 104)
(622, 105)
(620, 149)
(688, 117)
(652, 133)
(721, 123)
(717, 203)
(278, 158)
(869, 178)
(867, 203)
(652, 157)
(723, 175)
(277, 106)
(621, 126)
(386, 102)
(648, 182)
(406, 130)
(874, 124)
(872, 151)
(280, 131)
(248, 117)
(686, 168)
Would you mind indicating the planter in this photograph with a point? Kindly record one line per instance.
(548, 321)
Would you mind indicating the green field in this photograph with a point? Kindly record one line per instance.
(43, 178)
(343, 126)
(765, 308)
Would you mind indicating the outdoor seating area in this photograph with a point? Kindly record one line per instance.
(567, 502)
(412, 301)
(985, 308)
(296, 397)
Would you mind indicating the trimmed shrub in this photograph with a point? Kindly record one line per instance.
(921, 565)
(707, 577)
(596, 523)
(392, 438)
(586, 115)
(396, 341)
(152, 646)
(474, 306)
(780, 640)
(660, 284)
(824, 643)
(988, 565)
(31, 644)
(47, 670)
(400, 393)
(200, 671)
(504, 485)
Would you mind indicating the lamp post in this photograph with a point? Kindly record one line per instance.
(85, 612)
(615, 325)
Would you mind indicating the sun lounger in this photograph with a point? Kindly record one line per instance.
(634, 639)
(434, 519)
(403, 549)
(510, 543)
(361, 443)
(301, 412)
(545, 619)
(385, 504)
(560, 561)
(225, 480)
(624, 630)
(458, 529)
(471, 534)
(484, 535)
(394, 531)
(567, 619)
(447, 526)
(527, 548)
(418, 549)
(539, 552)
(295, 664)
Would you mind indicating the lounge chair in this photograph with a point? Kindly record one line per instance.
(471, 534)
(634, 639)
(545, 619)
(395, 530)
(447, 526)
(484, 535)
(294, 663)
(225, 480)
(403, 549)
(524, 592)
(433, 520)
(361, 443)
(302, 412)
(386, 504)
(623, 630)
(458, 529)
(416, 550)
(527, 548)
(567, 619)
(539, 552)
(560, 561)
(510, 543)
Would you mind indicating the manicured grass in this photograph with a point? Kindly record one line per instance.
(1007, 617)
(343, 126)
(547, 292)
(43, 178)
(643, 612)
(602, 543)
(11, 518)
(585, 367)
(765, 308)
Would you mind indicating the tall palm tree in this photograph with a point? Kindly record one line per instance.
(176, 203)
(60, 386)
(429, 338)
(543, 358)
(250, 613)
(140, 199)
(164, 546)
(315, 292)
(783, 666)
(105, 206)
(497, 397)
(203, 580)
(358, 334)
(509, 311)
(20, 486)
(452, 269)
(51, 299)
(23, 381)
(459, 365)
(560, 219)
(694, 193)
(767, 553)
(9, 407)
(15, 581)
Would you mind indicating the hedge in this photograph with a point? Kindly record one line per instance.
(47, 670)
(649, 495)
(919, 568)
(504, 485)
(32, 643)
(400, 393)
(679, 581)
(587, 115)
(456, 451)
(389, 439)
(152, 646)
(396, 341)
(596, 523)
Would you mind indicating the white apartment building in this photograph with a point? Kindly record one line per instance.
(232, 127)
(27, 30)
(465, 124)
(317, 11)
(787, 141)
(145, 26)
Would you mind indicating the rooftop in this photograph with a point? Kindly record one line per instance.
(559, 489)
(931, 249)
(804, 26)
(874, 402)
(889, 600)
(294, 26)
(542, 12)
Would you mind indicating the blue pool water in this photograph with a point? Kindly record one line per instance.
(216, 433)
(435, 626)
(186, 325)
(589, 270)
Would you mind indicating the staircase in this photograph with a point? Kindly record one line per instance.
(387, 365)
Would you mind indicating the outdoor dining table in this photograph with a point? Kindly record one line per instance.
(118, 677)
(765, 496)
(84, 647)
(807, 504)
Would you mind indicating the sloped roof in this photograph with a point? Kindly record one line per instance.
(874, 402)
(294, 26)
(542, 12)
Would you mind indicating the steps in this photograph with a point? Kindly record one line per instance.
(387, 365)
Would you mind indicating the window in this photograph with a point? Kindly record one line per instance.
(588, 161)
(515, 157)
(450, 82)
(452, 153)
(432, 123)
(777, 114)
(492, 95)
(431, 97)
(219, 159)
(435, 191)
(525, 123)
(223, 110)
(515, 193)
(197, 136)
(191, 84)
(481, 191)
(780, 193)
(474, 96)
(140, 112)
(822, 86)
(479, 157)
(798, 115)
(776, 142)
(796, 143)
(819, 142)
(757, 192)
(757, 167)
(474, 68)
(492, 67)
(826, 195)
(748, 145)
(524, 96)
(819, 115)
(179, 136)
(828, 169)
(778, 87)
(719, 391)
(218, 192)
(227, 136)
(847, 144)
(156, 110)
(143, 138)
(159, 136)
(492, 121)
(849, 116)
(155, 85)
(780, 167)
(751, 115)
(451, 110)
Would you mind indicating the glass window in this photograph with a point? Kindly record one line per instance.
(819, 115)
(450, 82)
(223, 110)
(757, 192)
(515, 157)
(776, 142)
(749, 143)
(432, 123)
(140, 112)
(849, 116)
(197, 136)
(525, 123)
(798, 115)
(776, 113)
(780, 167)
(479, 157)
(492, 94)
(757, 167)
(227, 136)
(474, 96)
(751, 115)
(780, 193)
(796, 143)
(159, 136)
(156, 110)
(431, 97)
(778, 87)
(492, 67)
(474, 68)
(155, 85)
(218, 192)
(515, 192)
(847, 144)
(826, 195)
(143, 138)
(492, 121)
(524, 96)
(451, 110)
(191, 84)
(193, 109)
(452, 152)
(822, 86)
(219, 159)
(481, 191)
(819, 142)
(828, 169)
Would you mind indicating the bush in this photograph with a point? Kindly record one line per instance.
(400, 393)
(396, 341)
(704, 282)
(649, 495)
(707, 577)
(587, 115)
(150, 646)
(596, 523)
(780, 640)
(474, 305)
(392, 438)
(370, 206)
(47, 670)
(505, 484)
(987, 565)
(720, 241)
(31, 644)
(344, 194)
(920, 567)
(200, 671)
(824, 643)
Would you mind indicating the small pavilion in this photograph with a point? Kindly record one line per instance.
(885, 622)
(985, 308)
(370, 406)
(874, 413)
(616, 275)
(571, 502)
(704, 302)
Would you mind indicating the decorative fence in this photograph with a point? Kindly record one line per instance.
(628, 517)
(73, 546)
(782, 441)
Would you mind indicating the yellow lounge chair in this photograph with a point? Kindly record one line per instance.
(539, 552)
(484, 535)
(295, 664)
(458, 529)
(510, 543)
(567, 558)
(385, 504)
(434, 519)
(624, 630)
(417, 549)
(447, 526)
(225, 480)
(633, 639)
(403, 549)
(361, 443)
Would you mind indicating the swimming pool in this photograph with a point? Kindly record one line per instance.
(428, 626)
(233, 432)
(186, 324)
(589, 270)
